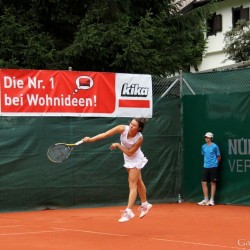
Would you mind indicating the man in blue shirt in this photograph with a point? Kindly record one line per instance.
(212, 158)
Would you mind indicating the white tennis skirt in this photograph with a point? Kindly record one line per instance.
(138, 163)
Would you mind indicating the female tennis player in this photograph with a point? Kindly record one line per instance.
(134, 160)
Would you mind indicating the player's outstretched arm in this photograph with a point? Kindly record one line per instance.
(116, 130)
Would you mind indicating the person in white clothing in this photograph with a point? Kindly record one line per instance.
(134, 160)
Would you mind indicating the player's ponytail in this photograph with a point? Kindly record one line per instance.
(142, 122)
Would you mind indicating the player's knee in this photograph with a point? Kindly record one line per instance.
(132, 184)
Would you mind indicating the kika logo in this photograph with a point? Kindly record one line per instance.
(134, 90)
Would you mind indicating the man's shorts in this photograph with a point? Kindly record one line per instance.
(210, 174)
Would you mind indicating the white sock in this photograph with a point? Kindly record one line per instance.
(144, 203)
(129, 210)
(206, 199)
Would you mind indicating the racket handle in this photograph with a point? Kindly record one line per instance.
(79, 142)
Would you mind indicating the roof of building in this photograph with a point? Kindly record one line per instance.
(187, 5)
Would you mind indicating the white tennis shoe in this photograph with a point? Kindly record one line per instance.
(210, 203)
(126, 216)
(203, 202)
(144, 209)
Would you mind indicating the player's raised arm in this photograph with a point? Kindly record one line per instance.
(116, 130)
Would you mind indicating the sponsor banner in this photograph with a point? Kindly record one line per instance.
(134, 95)
(74, 93)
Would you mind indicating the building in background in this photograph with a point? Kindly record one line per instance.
(228, 12)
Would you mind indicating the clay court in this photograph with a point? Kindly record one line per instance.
(93, 175)
(167, 226)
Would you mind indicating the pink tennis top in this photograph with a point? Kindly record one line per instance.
(137, 160)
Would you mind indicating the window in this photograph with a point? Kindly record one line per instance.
(214, 24)
(240, 13)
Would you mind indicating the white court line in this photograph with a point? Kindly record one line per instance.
(91, 232)
(56, 229)
(37, 232)
(173, 241)
(198, 243)
(11, 226)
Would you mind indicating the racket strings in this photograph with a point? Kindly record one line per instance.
(59, 152)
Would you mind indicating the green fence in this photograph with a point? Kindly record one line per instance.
(212, 106)
(93, 175)
(184, 108)
(217, 82)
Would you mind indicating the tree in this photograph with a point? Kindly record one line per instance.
(159, 41)
(131, 36)
(237, 42)
(21, 47)
(35, 32)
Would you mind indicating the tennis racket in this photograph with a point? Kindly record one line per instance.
(61, 151)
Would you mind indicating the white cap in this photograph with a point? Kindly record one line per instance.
(209, 135)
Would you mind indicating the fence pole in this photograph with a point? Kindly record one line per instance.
(181, 137)
(181, 82)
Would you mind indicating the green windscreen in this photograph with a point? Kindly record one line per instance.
(93, 175)
(228, 117)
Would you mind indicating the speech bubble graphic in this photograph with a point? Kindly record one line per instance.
(83, 83)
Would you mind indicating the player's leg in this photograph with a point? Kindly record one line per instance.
(145, 206)
(133, 176)
(142, 189)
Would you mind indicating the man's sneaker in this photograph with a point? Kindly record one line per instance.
(126, 216)
(203, 203)
(210, 203)
(144, 210)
